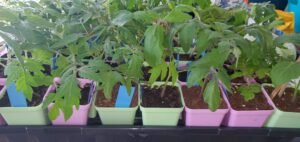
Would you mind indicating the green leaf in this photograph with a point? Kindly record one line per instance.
(70, 91)
(109, 80)
(39, 21)
(8, 15)
(53, 112)
(155, 72)
(177, 17)
(249, 92)
(225, 78)
(164, 71)
(212, 95)
(13, 72)
(196, 75)
(186, 35)
(293, 38)
(23, 86)
(202, 41)
(154, 38)
(134, 68)
(49, 99)
(173, 71)
(284, 72)
(122, 18)
(145, 16)
(66, 40)
(204, 3)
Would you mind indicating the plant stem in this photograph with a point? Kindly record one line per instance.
(162, 94)
(296, 91)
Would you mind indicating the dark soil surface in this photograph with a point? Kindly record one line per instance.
(239, 80)
(182, 76)
(84, 100)
(101, 101)
(285, 102)
(266, 79)
(194, 100)
(2, 72)
(47, 69)
(37, 97)
(151, 97)
(238, 103)
(185, 57)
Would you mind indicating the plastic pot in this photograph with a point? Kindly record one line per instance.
(203, 117)
(249, 118)
(25, 115)
(282, 119)
(79, 116)
(161, 116)
(118, 115)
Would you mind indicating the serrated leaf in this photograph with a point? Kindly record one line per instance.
(53, 112)
(284, 72)
(186, 35)
(225, 78)
(196, 75)
(109, 80)
(212, 95)
(177, 17)
(204, 3)
(173, 71)
(49, 99)
(145, 16)
(13, 72)
(249, 92)
(164, 71)
(122, 18)
(154, 38)
(39, 21)
(202, 41)
(8, 15)
(134, 68)
(66, 40)
(23, 86)
(155, 72)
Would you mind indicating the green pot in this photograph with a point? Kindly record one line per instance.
(116, 116)
(282, 119)
(25, 115)
(162, 116)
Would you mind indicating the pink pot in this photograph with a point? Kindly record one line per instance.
(80, 116)
(251, 118)
(203, 117)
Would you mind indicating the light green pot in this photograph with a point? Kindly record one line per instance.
(25, 115)
(162, 116)
(282, 119)
(116, 116)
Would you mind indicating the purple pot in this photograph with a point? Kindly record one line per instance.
(80, 116)
(203, 117)
(251, 118)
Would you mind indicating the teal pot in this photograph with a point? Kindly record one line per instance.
(153, 116)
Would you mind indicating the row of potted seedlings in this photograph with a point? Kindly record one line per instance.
(65, 61)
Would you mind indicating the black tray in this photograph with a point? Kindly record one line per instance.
(95, 132)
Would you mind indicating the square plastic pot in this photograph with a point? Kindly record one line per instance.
(161, 116)
(250, 118)
(117, 115)
(204, 117)
(79, 116)
(282, 119)
(24, 115)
